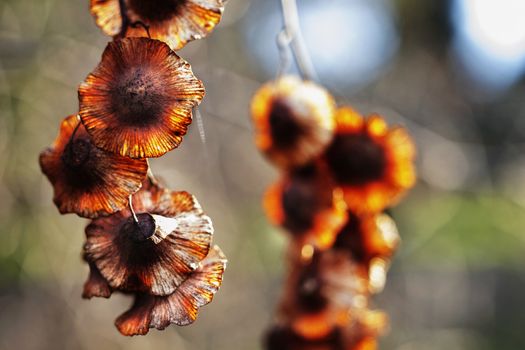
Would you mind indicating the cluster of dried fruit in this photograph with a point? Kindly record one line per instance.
(340, 172)
(144, 240)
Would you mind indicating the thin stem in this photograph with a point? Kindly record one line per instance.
(130, 202)
(283, 43)
(200, 124)
(143, 25)
(293, 30)
(224, 120)
(124, 17)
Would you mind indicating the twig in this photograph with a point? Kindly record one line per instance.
(293, 31)
(124, 17)
(283, 43)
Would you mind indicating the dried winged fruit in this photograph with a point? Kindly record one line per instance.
(182, 306)
(305, 204)
(138, 101)
(87, 180)
(372, 163)
(320, 293)
(294, 121)
(157, 253)
(175, 22)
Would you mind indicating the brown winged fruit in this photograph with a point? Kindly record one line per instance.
(138, 102)
(157, 251)
(294, 121)
(175, 22)
(372, 163)
(181, 307)
(87, 180)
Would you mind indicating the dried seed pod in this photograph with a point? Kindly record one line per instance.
(323, 294)
(156, 252)
(182, 306)
(305, 204)
(86, 180)
(138, 101)
(175, 22)
(294, 121)
(372, 163)
(368, 236)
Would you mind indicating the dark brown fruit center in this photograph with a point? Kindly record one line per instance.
(155, 10)
(303, 197)
(356, 159)
(77, 153)
(138, 100)
(350, 239)
(299, 206)
(82, 161)
(139, 231)
(284, 126)
(309, 292)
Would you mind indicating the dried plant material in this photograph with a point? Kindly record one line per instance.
(107, 15)
(144, 240)
(305, 204)
(370, 241)
(146, 256)
(294, 121)
(96, 285)
(175, 22)
(138, 102)
(385, 239)
(345, 282)
(341, 244)
(314, 326)
(366, 237)
(182, 306)
(87, 180)
(323, 294)
(372, 163)
(285, 338)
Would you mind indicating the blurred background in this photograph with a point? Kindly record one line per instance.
(450, 71)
